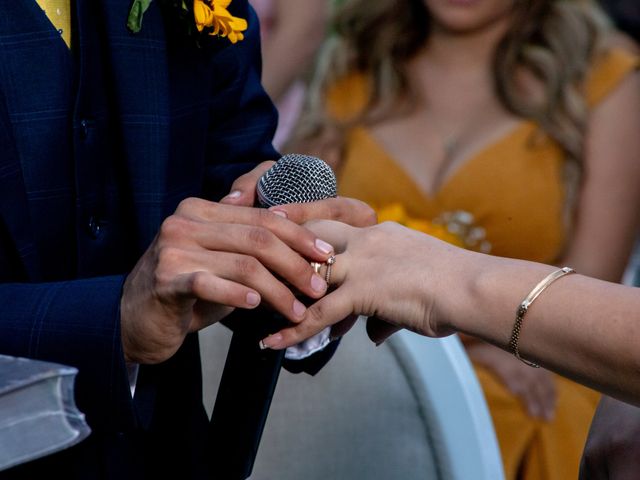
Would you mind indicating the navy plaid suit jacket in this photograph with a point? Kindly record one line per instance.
(98, 144)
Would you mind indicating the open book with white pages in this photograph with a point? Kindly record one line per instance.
(38, 413)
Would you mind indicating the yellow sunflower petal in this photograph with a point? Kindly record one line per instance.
(202, 14)
(221, 12)
(214, 14)
(239, 24)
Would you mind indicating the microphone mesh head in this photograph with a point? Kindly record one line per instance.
(296, 178)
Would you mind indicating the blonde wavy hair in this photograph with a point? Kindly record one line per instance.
(553, 40)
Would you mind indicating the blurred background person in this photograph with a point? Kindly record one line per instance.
(292, 32)
(513, 125)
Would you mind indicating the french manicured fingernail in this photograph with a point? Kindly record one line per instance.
(323, 246)
(272, 341)
(235, 194)
(299, 308)
(253, 299)
(280, 213)
(317, 283)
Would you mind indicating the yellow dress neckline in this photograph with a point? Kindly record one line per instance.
(479, 158)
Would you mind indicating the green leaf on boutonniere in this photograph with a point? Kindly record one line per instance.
(134, 22)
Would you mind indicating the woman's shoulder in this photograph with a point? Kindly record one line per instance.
(619, 57)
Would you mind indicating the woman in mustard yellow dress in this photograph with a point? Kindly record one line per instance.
(513, 124)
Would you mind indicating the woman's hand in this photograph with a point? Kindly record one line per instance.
(386, 271)
(533, 386)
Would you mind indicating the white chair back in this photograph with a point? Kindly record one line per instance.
(463, 436)
(409, 409)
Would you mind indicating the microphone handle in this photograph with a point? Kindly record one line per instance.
(250, 375)
(244, 396)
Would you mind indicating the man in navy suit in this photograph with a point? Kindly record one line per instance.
(110, 258)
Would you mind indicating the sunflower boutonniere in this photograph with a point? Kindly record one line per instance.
(210, 17)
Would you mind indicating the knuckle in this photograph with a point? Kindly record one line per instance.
(259, 237)
(301, 269)
(266, 219)
(247, 266)
(386, 225)
(335, 210)
(296, 213)
(263, 216)
(198, 283)
(293, 335)
(369, 217)
(189, 205)
(174, 226)
(315, 315)
(376, 235)
(169, 257)
(162, 280)
(361, 213)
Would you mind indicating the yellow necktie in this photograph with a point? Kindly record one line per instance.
(59, 13)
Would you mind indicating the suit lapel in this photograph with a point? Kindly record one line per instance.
(23, 26)
(140, 79)
(143, 89)
(14, 209)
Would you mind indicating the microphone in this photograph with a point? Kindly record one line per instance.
(250, 374)
(296, 178)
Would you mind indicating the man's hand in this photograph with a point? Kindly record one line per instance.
(208, 259)
(612, 450)
(243, 190)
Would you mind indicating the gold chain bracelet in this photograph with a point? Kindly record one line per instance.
(524, 307)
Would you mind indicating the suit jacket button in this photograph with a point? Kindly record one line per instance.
(84, 129)
(93, 227)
